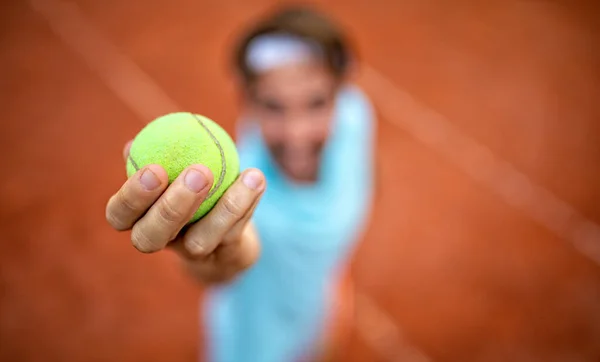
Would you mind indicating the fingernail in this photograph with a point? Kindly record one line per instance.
(195, 181)
(149, 180)
(252, 179)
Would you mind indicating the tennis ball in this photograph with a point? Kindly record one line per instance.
(178, 140)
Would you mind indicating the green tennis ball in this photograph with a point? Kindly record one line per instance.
(178, 140)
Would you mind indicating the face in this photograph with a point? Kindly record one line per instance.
(294, 106)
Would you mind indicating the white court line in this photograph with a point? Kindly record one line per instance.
(147, 100)
(401, 110)
(382, 335)
(125, 78)
(136, 89)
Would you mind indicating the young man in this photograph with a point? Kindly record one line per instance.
(310, 133)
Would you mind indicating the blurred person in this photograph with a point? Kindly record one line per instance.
(305, 138)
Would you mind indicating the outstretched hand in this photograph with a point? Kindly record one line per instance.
(217, 247)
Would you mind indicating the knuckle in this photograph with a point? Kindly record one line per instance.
(170, 213)
(125, 202)
(199, 248)
(231, 208)
(114, 221)
(200, 244)
(141, 241)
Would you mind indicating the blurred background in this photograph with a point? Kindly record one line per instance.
(483, 245)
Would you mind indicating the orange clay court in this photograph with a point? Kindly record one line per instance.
(466, 259)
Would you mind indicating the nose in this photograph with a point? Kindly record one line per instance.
(297, 131)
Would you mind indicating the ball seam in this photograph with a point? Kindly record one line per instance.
(221, 152)
(133, 163)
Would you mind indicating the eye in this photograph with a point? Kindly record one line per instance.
(272, 106)
(317, 103)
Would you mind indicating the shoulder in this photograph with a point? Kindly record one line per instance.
(353, 94)
(354, 111)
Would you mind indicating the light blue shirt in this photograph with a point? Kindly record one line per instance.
(275, 312)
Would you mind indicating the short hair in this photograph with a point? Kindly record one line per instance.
(304, 23)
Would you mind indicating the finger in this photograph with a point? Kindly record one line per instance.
(136, 196)
(173, 210)
(234, 234)
(227, 261)
(203, 237)
(243, 253)
(126, 149)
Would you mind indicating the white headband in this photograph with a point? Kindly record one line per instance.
(271, 51)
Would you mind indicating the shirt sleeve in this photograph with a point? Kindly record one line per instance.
(354, 166)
